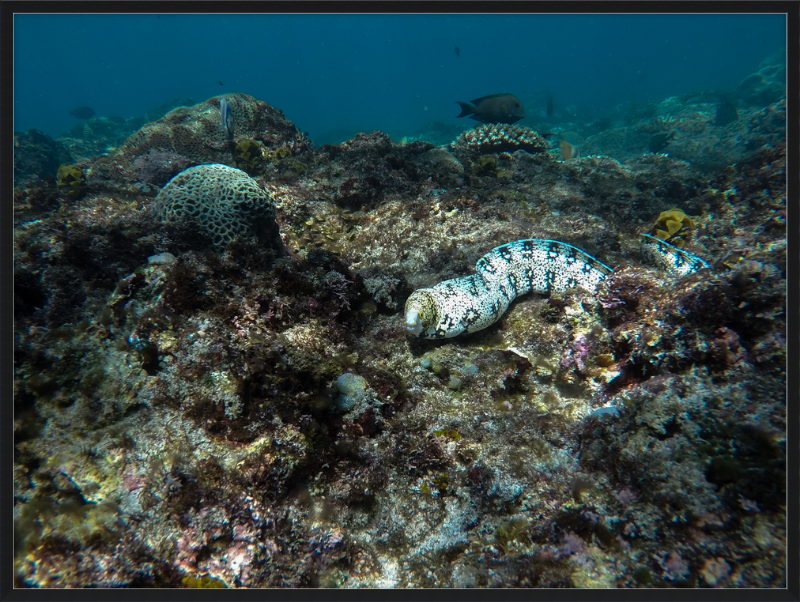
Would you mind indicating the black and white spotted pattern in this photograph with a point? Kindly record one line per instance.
(670, 258)
(474, 302)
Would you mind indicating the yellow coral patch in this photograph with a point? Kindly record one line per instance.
(248, 155)
(673, 226)
(69, 175)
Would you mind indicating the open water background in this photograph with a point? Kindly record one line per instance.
(335, 75)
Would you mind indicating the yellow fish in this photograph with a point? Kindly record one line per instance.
(570, 145)
(568, 151)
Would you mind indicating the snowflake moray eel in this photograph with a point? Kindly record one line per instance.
(540, 265)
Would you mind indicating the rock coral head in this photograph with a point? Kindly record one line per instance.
(500, 138)
(673, 226)
(223, 202)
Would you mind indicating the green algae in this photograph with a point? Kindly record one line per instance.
(451, 434)
(202, 582)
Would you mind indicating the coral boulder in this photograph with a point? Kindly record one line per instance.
(222, 202)
(193, 135)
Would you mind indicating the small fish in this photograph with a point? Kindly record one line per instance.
(458, 51)
(226, 117)
(549, 106)
(220, 83)
(569, 151)
(570, 145)
(82, 112)
(641, 76)
(495, 108)
(726, 113)
(659, 141)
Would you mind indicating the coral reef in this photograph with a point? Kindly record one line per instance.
(245, 415)
(368, 169)
(37, 157)
(768, 84)
(687, 128)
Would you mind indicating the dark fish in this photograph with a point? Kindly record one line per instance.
(641, 76)
(221, 84)
(549, 106)
(726, 113)
(660, 141)
(603, 123)
(495, 108)
(82, 112)
(226, 117)
(458, 51)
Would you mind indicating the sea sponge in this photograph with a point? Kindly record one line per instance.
(500, 138)
(222, 201)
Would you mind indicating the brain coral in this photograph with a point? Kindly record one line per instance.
(222, 201)
(500, 138)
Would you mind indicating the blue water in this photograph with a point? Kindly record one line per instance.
(333, 74)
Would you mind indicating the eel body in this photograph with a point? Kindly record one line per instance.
(472, 303)
(670, 258)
